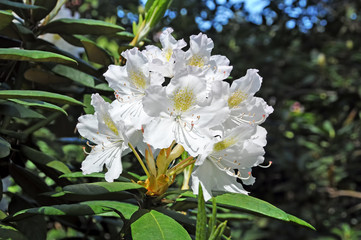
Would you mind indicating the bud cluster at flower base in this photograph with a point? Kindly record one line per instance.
(170, 101)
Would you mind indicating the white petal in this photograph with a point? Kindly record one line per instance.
(213, 179)
(156, 101)
(250, 83)
(159, 132)
(88, 128)
(117, 77)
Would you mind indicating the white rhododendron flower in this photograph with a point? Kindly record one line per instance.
(194, 110)
(198, 59)
(229, 157)
(180, 113)
(163, 60)
(109, 136)
(245, 108)
(130, 83)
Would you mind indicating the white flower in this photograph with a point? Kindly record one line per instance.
(228, 158)
(109, 136)
(163, 60)
(182, 113)
(198, 59)
(130, 82)
(245, 108)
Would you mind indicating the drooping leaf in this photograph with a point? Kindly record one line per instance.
(5, 19)
(4, 151)
(39, 104)
(96, 54)
(44, 159)
(17, 110)
(39, 95)
(33, 55)
(254, 205)
(8, 232)
(81, 26)
(78, 209)
(155, 225)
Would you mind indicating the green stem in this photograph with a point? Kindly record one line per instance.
(139, 160)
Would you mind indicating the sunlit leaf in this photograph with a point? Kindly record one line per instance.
(155, 225)
(39, 95)
(81, 26)
(255, 205)
(8, 232)
(39, 104)
(33, 55)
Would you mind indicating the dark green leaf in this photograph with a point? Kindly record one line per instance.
(43, 159)
(75, 75)
(4, 150)
(201, 229)
(5, 19)
(39, 95)
(96, 54)
(44, 77)
(13, 5)
(81, 175)
(8, 232)
(17, 110)
(47, 5)
(255, 205)
(33, 55)
(155, 225)
(79, 209)
(39, 104)
(81, 26)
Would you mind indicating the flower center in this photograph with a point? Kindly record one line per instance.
(236, 98)
(183, 99)
(226, 143)
(138, 79)
(168, 54)
(196, 61)
(110, 124)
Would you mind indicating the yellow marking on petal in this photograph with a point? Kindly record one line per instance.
(168, 54)
(183, 99)
(226, 143)
(110, 124)
(236, 98)
(196, 61)
(138, 79)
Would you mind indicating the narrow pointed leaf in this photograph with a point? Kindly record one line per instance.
(14, 5)
(8, 232)
(39, 95)
(254, 205)
(201, 230)
(79, 209)
(33, 55)
(17, 110)
(155, 225)
(39, 104)
(81, 26)
(96, 54)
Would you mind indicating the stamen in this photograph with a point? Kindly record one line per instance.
(266, 166)
(84, 150)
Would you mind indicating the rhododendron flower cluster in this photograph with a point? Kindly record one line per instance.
(170, 100)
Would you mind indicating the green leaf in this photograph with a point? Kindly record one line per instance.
(33, 55)
(41, 13)
(78, 209)
(254, 205)
(81, 175)
(5, 19)
(8, 232)
(201, 229)
(156, 11)
(44, 159)
(96, 54)
(155, 225)
(39, 95)
(14, 5)
(39, 104)
(74, 75)
(4, 150)
(81, 26)
(17, 110)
